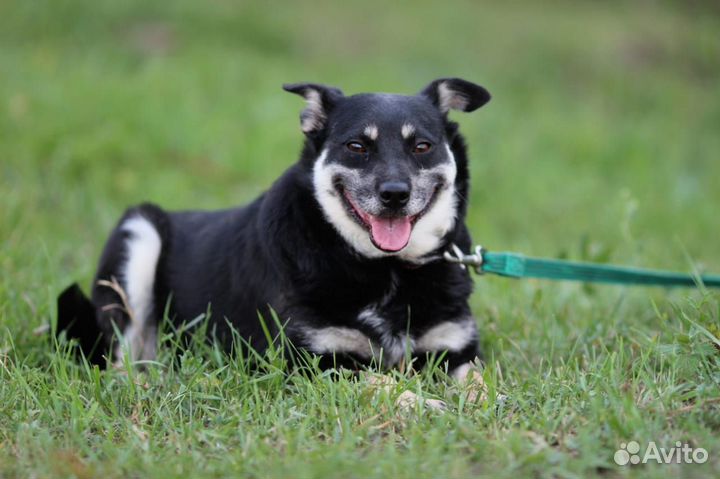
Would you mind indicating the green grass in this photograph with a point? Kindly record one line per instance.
(601, 143)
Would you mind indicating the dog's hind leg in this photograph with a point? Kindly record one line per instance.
(124, 290)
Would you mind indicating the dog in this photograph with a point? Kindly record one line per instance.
(345, 248)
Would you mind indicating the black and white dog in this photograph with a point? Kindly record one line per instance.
(345, 247)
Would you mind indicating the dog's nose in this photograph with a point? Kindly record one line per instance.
(394, 194)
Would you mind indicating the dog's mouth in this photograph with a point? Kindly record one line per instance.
(387, 233)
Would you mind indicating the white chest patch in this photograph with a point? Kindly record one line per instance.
(389, 348)
(393, 347)
(450, 336)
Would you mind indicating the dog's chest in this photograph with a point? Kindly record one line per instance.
(388, 329)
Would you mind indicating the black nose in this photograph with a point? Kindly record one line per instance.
(394, 194)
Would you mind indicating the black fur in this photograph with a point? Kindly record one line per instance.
(76, 317)
(280, 252)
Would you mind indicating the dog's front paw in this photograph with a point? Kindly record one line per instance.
(408, 401)
(476, 392)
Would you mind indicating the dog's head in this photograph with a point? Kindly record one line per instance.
(384, 172)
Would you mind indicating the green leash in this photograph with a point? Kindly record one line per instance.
(515, 265)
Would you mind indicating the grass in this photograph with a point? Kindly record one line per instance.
(601, 143)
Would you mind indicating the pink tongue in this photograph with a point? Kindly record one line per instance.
(390, 234)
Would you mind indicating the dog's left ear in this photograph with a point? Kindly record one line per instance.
(456, 94)
(320, 100)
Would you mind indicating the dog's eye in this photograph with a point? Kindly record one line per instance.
(356, 147)
(422, 147)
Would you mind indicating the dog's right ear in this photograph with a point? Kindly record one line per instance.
(320, 100)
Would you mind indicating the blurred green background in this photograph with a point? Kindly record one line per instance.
(601, 140)
(601, 143)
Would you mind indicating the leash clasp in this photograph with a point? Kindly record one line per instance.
(475, 259)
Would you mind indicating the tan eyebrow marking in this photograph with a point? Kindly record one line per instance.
(407, 130)
(371, 131)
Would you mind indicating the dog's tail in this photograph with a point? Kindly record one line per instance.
(77, 318)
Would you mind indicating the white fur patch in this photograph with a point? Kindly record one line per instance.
(369, 317)
(450, 99)
(339, 340)
(334, 209)
(448, 336)
(313, 116)
(392, 347)
(371, 131)
(138, 280)
(407, 130)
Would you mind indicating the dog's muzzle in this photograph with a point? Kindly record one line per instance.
(390, 229)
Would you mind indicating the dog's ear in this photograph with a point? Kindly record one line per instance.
(456, 94)
(320, 100)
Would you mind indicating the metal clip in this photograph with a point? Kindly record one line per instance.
(463, 260)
